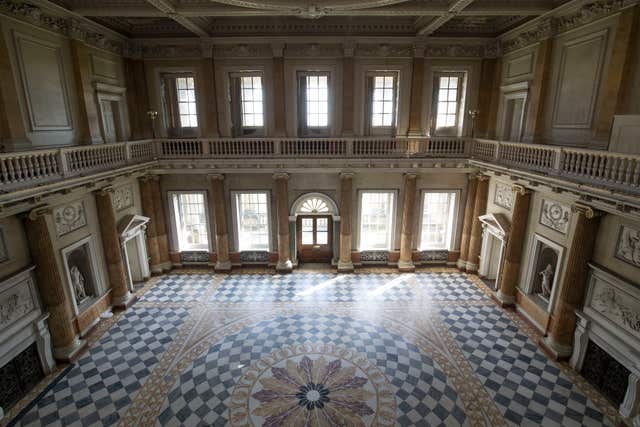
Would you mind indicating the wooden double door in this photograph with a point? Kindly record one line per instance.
(315, 238)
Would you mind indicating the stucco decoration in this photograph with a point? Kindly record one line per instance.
(123, 198)
(613, 305)
(555, 215)
(628, 246)
(69, 217)
(503, 196)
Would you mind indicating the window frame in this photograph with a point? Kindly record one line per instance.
(393, 214)
(456, 129)
(236, 222)
(304, 130)
(369, 99)
(175, 216)
(236, 104)
(453, 218)
(171, 107)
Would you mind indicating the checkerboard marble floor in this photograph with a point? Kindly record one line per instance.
(316, 348)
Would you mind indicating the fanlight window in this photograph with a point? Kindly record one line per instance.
(314, 205)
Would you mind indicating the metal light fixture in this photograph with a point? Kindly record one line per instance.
(153, 115)
(473, 114)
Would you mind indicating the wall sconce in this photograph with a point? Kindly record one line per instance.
(473, 114)
(153, 115)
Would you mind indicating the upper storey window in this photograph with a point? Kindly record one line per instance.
(187, 102)
(448, 90)
(247, 104)
(180, 105)
(313, 92)
(382, 92)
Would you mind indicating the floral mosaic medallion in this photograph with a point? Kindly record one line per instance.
(313, 385)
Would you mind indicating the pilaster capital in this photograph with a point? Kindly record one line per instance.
(418, 49)
(349, 48)
(147, 178)
(587, 211)
(104, 191)
(481, 177)
(411, 175)
(39, 212)
(277, 50)
(347, 175)
(281, 175)
(519, 189)
(216, 177)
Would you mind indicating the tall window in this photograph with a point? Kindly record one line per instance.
(252, 220)
(251, 99)
(448, 95)
(190, 214)
(383, 100)
(376, 220)
(314, 103)
(187, 102)
(438, 211)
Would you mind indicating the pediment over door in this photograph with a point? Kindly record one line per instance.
(498, 223)
(130, 225)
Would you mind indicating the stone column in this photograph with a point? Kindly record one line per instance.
(279, 104)
(479, 209)
(54, 292)
(468, 222)
(405, 263)
(148, 210)
(120, 295)
(345, 265)
(347, 89)
(417, 78)
(161, 224)
(571, 293)
(220, 216)
(513, 256)
(284, 264)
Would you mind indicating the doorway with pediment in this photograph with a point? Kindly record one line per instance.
(315, 223)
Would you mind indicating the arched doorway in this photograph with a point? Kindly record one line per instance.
(315, 223)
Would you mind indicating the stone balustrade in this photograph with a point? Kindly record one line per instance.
(600, 168)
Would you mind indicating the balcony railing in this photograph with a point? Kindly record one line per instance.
(603, 168)
(611, 170)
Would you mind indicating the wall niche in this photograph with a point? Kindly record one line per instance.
(82, 273)
(543, 271)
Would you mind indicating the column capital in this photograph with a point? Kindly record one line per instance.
(411, 175)
(39, 211)
(149, 177)
(349, 48)
(215, 177)
(347, 175)
(520, 189)
(281, 175)
(481, 177)
(418, 49)
(104, 190)
(587, 211)
(277, 50)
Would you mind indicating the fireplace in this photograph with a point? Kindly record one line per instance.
(605, 373)
(19, 376)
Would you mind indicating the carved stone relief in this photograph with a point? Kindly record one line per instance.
(628, 246)
(617, 307)
(123, 198)
(14, 304)
(504, 196)
(555, 215)
(69, 217)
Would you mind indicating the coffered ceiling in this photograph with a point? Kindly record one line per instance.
(211, 18)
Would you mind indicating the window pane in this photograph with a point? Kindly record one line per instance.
(252, 221)
(317, 101)
(251, 101)
(376, 220)
(322, 224)
(191, 221)
(322, 238)
(383, 102)
(437, 220)
(307, 237)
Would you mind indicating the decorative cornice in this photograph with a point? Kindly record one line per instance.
(172, 51)
(560, 21)
(247, 51)
(66, 25)
(313, 50)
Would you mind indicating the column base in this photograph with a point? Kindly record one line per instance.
(70, 352)
(505, 300)
(471, 268)
(406, 267)
(161, 268)
(558, 351)
(345, 267)
(124, 301)
(284, 267)
(222, 266)
(461, 264)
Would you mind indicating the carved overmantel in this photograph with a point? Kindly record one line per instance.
(611, 319)
(22, 320)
